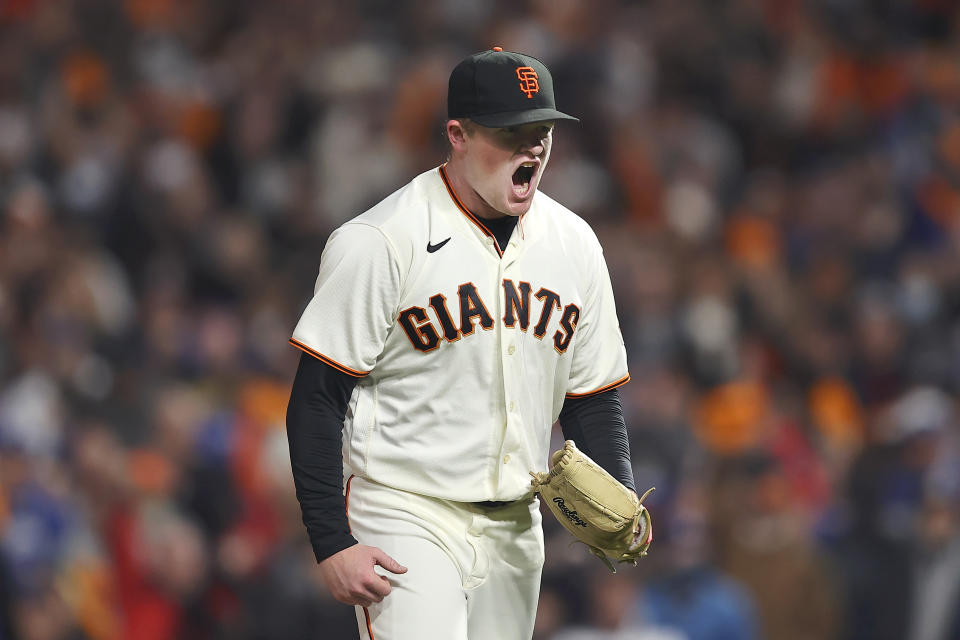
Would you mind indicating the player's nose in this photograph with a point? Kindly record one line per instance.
(532, 144)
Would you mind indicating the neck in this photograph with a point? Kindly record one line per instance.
(467, 194)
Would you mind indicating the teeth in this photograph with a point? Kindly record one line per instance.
(528, 164)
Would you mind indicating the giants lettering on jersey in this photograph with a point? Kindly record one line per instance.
(425, 336)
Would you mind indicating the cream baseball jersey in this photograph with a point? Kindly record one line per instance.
(464, 352)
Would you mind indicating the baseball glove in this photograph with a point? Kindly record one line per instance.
(593, 506)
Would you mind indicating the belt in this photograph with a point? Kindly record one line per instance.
(493, 504)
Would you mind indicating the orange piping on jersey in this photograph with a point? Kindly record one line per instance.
(333, 363)
(613, 385)
(346, 499)
(474, 219)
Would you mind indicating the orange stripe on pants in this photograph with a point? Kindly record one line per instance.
(366, 612)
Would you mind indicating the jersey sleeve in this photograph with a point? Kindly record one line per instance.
(599, 356)
(354, 300)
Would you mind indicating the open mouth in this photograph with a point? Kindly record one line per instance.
(522, 178)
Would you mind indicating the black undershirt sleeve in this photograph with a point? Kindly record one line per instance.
(596, 425)
(318, 402)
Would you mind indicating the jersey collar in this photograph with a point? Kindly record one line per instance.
(476, 220)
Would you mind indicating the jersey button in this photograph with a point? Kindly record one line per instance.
(511, 350)
(506, 458)
(512, 406)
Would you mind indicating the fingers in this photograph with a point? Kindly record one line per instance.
(365, 591)
(360, 602)
(370, 588)
(388, 563)
(379, 588)
(364, 594)
(351, 578)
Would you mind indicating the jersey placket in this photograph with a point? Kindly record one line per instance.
(506, 446)
(510, 459)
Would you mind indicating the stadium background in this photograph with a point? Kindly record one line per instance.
(777, 187)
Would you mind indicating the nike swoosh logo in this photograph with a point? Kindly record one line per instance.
(435, 247)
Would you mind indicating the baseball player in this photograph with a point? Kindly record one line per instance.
(451, 325)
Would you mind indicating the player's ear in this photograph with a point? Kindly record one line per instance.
(457, 132)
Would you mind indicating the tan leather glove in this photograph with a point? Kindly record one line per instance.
(592, 505)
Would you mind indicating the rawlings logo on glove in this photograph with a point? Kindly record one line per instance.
(592, 505)
(571, 515)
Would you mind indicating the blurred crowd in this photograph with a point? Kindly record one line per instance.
(777, 187)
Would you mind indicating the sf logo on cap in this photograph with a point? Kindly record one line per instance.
(529, 80)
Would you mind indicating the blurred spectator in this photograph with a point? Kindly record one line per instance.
(896, 513)
(935, 613)
(764, 543)
(610, 598)
(692, 597)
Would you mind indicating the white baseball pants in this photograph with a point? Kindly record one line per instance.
(473, 572)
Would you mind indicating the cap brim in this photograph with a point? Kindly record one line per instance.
(513, 118)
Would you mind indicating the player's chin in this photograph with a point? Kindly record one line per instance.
(518, 201)
(517, 208)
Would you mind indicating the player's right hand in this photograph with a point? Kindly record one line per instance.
(350, 576)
